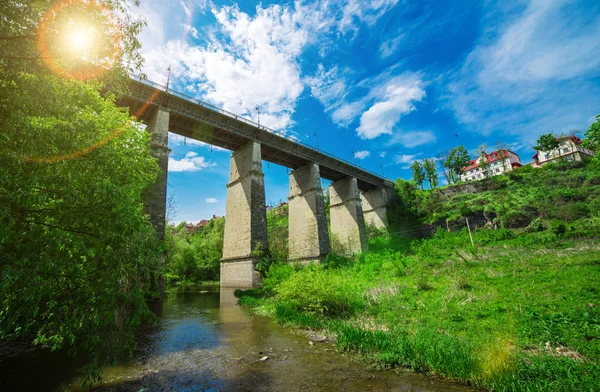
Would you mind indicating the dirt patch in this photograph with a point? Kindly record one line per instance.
(558, 351)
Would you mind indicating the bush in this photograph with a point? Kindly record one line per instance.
(318, 290)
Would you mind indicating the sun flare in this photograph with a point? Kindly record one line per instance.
(79, 39)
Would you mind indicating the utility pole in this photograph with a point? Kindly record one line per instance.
(168, 78)
(258, 115)
(317, 137)
(354, 156)
(382, 173)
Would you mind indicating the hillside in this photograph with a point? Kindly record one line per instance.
(563, 192)
(517, 311)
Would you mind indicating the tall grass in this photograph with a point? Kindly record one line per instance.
(517, 311)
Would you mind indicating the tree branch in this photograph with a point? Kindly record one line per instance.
(16, 37)
(69, 229)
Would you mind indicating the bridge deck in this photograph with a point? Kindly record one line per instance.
(198, 120)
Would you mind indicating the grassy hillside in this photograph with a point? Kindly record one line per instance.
(520, 310)
(562, 192)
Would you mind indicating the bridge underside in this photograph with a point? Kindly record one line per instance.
(200, 123)
(356, 195)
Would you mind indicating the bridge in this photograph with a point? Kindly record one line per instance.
(356, 195)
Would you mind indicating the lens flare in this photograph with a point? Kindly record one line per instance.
(76, 32)
(79, 39)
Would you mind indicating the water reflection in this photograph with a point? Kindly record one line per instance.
(206, 342)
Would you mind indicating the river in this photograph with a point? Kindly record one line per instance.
(206, 342)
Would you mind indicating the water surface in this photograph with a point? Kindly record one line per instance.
(206, 342)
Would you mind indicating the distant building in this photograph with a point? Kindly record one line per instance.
(489, 165)
(569, 149)
(192, 228)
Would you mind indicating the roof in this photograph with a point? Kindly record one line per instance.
(491, 157)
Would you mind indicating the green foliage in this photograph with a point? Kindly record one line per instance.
(430, 168)
(419, 174)
(194, 258)
(77, 251)
(319, 290)
(516, 312)
(562, 191)
(547, 142)
(458, 158)
(592, 138)
(278, 224)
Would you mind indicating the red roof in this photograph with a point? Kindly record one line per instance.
(491, 157)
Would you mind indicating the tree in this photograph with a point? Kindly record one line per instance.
(457, 160)
(484, 164)
(592, 136)
(104, 33)
(418, 173)
(547, 143)
(430, 168)
(502, 149)
(441, 158)
(76, 249)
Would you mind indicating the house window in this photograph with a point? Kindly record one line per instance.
(546, 156)
(565, 150)
(497, 170)
(570, 158)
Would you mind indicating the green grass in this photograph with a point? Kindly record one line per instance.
(519, 311)
(565, 191)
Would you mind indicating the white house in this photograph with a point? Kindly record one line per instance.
(569, 149)
(489, 165)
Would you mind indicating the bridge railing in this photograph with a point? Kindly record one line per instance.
(243, 119)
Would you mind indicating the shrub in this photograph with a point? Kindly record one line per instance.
(535, 226)
(318, 290)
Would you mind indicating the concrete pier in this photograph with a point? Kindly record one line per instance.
(374, 205)
(245, 218)
(155, 197)
(308, 236)
(347, 220)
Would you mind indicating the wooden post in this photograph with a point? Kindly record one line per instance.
(470, 235)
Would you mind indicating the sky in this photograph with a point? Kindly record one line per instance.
(381, 82)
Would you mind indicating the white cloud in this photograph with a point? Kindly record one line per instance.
(361, 154)
(211, 200)
(382, 154)
(398, 98)
(542, 62)
(186, 9)
(191, 162)
(411, 139)
(389, 47)
(386, 96)
(187, 29)
(250, 61)
(405, 160)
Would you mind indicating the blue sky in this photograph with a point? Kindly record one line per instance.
(385, 81)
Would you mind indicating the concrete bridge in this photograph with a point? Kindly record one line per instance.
(356, 195)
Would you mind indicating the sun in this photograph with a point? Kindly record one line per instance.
(79, 39)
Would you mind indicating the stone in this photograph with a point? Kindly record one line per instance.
(245, 218)
(155, 197)
(346, 215)
(308, 235)
(374, 205)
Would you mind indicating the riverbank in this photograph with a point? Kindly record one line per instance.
(519, 311)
